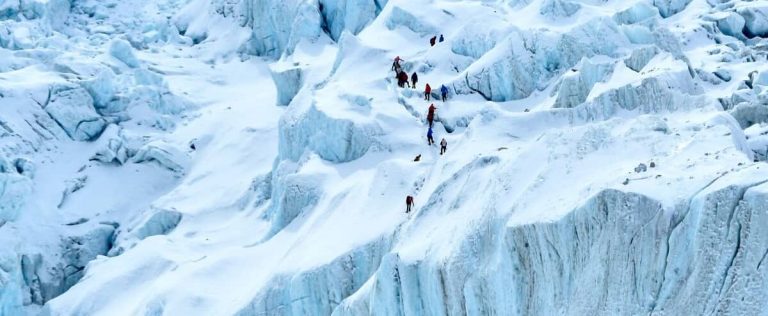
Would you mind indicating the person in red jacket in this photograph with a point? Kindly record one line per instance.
(427, 92)
(402, 79)
(408, 204)
(432, 41)
(431, 114)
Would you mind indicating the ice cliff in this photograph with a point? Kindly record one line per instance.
(252, 157)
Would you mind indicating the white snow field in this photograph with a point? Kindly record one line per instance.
(252, 157)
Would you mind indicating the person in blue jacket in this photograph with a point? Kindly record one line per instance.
(444, 92)
(430, 140)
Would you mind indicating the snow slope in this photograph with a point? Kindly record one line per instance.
(251, 157)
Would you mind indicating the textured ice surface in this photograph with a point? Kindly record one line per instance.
(150, 132)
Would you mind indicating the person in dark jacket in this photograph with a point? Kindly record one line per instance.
(444, 92)
(430, 140)
(427, 92)
(408, 204)
(432, 41)
(414, 79)
(441, 38)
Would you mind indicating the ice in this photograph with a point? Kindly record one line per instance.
(576, 84)
(45, 279)
(577, 130)
(101, 88)
(641, 57)
(72, 108)
(559, 8)
(156, 222)
(756, 18)
(748, 114)
(730, 23)
(475, 39)
(112, 147)
(123, 51)
(761, 79)
(288, 82)
(668, 8)
(16, 188)
(164, 154)
(520, 64)
(638, 34)
(292, 195)
(399, 17)
(333, 139)
(639, 12)
(348, 15)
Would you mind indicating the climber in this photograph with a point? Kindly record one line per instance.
(408, 204)
(430, 140)
(431, 114)
(396, 65)
(443, 146)
(418, 158)
(427, 92)
(403, 80)
(444, 92)
(432, 41)
(414, 79)
(441, 38)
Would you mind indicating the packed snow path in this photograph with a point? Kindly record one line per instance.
(252, 157)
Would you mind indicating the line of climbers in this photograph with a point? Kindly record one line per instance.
(402, 81)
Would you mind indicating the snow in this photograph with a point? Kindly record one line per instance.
(251, 157)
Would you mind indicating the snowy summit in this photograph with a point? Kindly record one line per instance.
(383, 157)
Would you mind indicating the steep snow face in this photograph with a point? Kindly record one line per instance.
(603, 157)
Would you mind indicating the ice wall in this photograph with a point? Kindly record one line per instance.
(696, 257)
(524, 62)
(276, 27)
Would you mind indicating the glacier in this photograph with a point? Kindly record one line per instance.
(251, 157)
